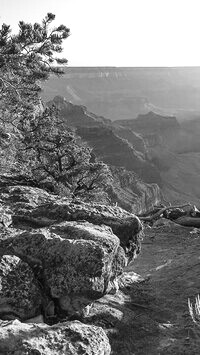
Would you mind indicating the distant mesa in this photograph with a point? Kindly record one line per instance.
(151, 122)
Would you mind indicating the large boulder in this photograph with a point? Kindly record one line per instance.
(76, 250)
(77, 260)
(70, 338)
(20, 295)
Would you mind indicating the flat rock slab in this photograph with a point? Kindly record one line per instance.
(70, 338)
(126, 226)
(27, 207)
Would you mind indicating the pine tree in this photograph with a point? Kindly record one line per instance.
(52, 153)
(45, 149)
(26, 59)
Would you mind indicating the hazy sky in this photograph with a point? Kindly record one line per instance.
(119, 32)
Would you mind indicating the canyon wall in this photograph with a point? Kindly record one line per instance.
(123, 93)
(135, 177)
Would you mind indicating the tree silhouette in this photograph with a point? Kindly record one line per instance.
(26, 59)
(45, 149)
(51, 152)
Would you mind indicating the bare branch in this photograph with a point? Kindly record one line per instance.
(161, 211)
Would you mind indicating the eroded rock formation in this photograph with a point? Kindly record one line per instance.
(57, 257)
(121, 148)
(131, 193)
(123, 93)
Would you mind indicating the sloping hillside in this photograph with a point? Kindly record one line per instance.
(157, 148)
(135, 186)
(175, 149)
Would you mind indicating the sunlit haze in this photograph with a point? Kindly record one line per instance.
(119, 33)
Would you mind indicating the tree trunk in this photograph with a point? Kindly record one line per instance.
(185, 219)
(161, 211)
(188, 221)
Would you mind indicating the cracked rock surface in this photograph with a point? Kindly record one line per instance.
(70, 338)
(58, 256)
(20, 295)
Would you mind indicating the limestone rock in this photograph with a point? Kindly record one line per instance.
(30, 207)
(20, 295)
(70, 338)
(126, 226)
(77, 258)
(79, 254)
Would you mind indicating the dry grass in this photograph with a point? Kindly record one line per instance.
(194, 310)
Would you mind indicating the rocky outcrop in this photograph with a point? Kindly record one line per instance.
(151, 122)
(77, 115)
(125, 225)
(70, 338)
(57, 257)
(73, 260)
(76, 251)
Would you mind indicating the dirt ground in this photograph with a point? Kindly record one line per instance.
(170, 263)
